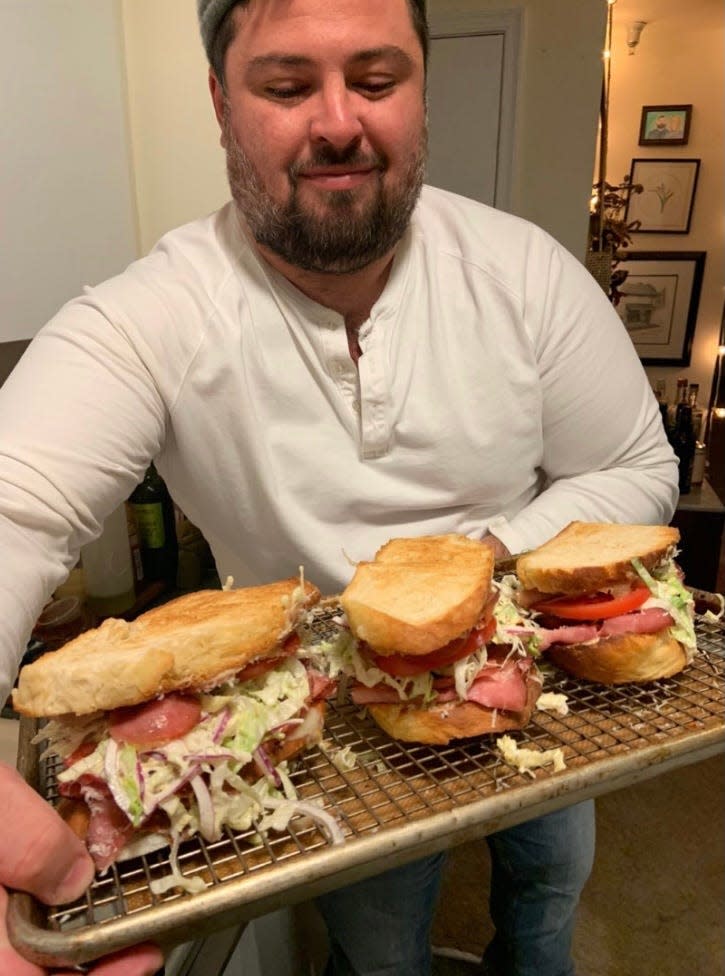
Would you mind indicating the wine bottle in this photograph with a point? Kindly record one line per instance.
(683, 443)
(155, 523)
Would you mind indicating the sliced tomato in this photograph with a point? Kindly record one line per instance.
(594, 606)
(406, 665)
(83, 750)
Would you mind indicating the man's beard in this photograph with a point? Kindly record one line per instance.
(348, 236)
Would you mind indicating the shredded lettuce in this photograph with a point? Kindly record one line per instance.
(143, 780)
(514, 625)
(669, 593)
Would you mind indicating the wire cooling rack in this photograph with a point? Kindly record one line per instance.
(393, 802)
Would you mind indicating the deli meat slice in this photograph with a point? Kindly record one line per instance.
(377, 695)
(320, 685)
(645, 622)
(576, 634)
(156, 722)
(109, 829)
(501, 687)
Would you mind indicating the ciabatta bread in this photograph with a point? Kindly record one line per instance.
(188, 643)
(589, 556)
(418, 604)
(619, 660)
(440, 724)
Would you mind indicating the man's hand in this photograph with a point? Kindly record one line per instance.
(499, 549)
(41, 854)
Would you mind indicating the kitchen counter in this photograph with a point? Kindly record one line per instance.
(700, 517)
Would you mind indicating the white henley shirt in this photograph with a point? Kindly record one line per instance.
(497, 390)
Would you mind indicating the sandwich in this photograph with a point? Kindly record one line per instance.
(430, 661)
(181, 721)
(610, 602)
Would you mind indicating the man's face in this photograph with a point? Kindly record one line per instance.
(324, 127)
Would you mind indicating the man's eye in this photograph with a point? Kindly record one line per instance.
(375, 87)
(284, 93)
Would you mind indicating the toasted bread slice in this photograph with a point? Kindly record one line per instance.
(619, 660)
(194, 641)
(588, 556)
(417, 606)
(435, 549)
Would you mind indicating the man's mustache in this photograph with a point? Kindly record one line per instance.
(329, 156)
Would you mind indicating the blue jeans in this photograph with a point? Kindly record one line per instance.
(381, 926)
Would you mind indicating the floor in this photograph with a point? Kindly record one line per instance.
(655, 903)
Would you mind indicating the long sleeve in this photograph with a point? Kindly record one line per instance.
(79, 418)
(605, 453)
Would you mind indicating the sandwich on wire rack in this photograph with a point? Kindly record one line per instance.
(610, 602)
(181, 721)
(438, 650)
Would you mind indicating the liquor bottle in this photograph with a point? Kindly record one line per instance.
(683, 443)
(155, 523)
(680, 399)
(107, 568)
(698, 414)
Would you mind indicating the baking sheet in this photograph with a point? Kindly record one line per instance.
(398, 802)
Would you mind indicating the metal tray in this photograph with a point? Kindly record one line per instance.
(398, 802)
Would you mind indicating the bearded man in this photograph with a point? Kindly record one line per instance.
(338, 356)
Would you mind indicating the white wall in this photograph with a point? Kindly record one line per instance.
(67, 213)
(679, 61)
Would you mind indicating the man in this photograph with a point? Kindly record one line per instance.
(331, 360)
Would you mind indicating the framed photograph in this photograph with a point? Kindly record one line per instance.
(668, 193)
(665, 123)
(658, 303)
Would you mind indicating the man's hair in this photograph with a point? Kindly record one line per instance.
(226, 32)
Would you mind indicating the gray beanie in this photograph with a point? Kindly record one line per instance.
(211, 14)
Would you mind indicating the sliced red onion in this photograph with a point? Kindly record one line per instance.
(171, 790)
(206, 808)
(265, 767)
(219, 731)
(286, 725)
(218, 756)
(140, 779)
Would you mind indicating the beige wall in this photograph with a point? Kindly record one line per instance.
(678, 61)
(179, 166)
(557, 111)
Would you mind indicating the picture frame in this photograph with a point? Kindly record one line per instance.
(658, 303)
(665, 124)
(668, 195)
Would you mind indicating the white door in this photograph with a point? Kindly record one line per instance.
(471, 98)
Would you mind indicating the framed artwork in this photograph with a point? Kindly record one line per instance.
(658, 303)
(665, 124)
(668, 193)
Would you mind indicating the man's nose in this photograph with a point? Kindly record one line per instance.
(335, 118)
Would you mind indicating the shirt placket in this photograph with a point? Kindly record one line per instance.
(375, 431)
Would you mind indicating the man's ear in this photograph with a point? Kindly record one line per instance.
(218, 100)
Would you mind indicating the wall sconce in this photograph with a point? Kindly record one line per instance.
(633, 34)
